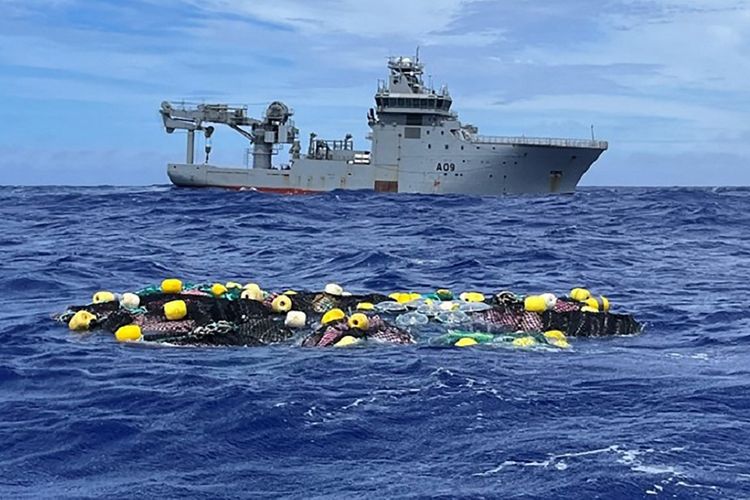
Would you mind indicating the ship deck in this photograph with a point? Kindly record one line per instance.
(541, 141)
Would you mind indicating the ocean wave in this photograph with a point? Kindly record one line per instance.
(656, 414)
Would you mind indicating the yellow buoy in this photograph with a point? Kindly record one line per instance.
(129, 333)
(232, 284)
(524, 342)
(102, 297)
(535, 303)
(562, 344)
(218, 289)
(471, 297)
(365, 306)
(359, 321)
(335, 314)
(281, 304)
(403, 297)
(554, 335)
(290, 292)
(579, 294)
(252, 294)
(604, 302)
(175, 310)
(171, 285)
(346, 341)
(81, 321)
(592, 303)
(588, 309)
(465, 342)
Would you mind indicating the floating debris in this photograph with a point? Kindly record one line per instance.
(231, 314)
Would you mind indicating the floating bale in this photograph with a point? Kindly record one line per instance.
(216, 314)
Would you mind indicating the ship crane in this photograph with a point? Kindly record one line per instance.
(276, 127)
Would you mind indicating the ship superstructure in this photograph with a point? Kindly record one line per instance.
(418, 145)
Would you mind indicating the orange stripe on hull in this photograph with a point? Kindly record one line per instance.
(286, 190)
(277, 190)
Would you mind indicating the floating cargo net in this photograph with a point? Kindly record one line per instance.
(231, 314)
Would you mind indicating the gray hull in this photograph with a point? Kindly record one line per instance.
(520, 169)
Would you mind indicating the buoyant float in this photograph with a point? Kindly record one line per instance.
(232, 314)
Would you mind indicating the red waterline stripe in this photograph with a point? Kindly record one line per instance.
(284, 190)
(253, 188)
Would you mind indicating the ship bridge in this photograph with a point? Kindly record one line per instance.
(406, 92)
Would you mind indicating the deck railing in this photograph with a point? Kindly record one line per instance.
(541, 141)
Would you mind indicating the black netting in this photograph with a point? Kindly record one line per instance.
(320, 303)
(115, 320)
(264, 330)
(98, 309)
(304, 301)
(237, 310)
(254, 332)
(585, 324)
(379, 329)
(215, 321)
(350, 302)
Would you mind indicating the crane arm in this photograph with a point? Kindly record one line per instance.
(193, 118)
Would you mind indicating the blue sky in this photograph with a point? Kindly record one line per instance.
(667, 82)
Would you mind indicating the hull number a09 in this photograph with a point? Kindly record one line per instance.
(446, 167)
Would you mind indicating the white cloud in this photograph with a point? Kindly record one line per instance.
(77, 54)
(675, 73)
(416, 19)
(698, 44)
(624, 106)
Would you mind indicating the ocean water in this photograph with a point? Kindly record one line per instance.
(663, 414)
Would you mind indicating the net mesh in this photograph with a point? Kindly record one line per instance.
(229, 320)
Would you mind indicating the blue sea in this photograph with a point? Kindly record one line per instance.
(665, 414)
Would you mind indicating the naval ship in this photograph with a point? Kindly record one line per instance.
(417, 145)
